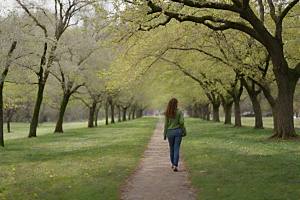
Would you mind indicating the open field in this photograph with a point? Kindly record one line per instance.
(240, 163)
(21, 130)
(78, 164)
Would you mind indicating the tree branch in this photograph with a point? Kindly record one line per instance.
(201, 4)
(208, 21)
(272, 10)
(34, 18)
(287, 9)
(204, 52)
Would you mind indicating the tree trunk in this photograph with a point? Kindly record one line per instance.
(216, 116)
(257, 112)
(236, 95)
(106, 116)
(1, 115)
(8, 125)
(96, 115)
(129, 115)
(91, 115)
(112, 106)
(273, 104)
(227, 106)
(237, 113)
(133, 114)
(255, 104)
(8, 119)
(214, 99)
(119, 113)
(41, 115)
(205, 111)
(286, 88)
(3, 76)
(62, 110)
(208, 113)
(36, 111)
(124, 114)
(139, 113)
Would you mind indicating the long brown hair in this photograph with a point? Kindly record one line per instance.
(171, 108)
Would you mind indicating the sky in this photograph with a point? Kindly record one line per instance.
(5, 6)
(8, 5)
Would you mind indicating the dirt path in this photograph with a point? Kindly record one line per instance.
(154, 178)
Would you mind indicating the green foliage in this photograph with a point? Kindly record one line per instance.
(79, 164)
(240, 163)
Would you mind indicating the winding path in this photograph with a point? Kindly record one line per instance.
(154, 179)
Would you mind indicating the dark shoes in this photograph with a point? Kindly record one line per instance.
(175, 169)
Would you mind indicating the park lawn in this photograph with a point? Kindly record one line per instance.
(79, 164)
(21, 130)
(240, 163)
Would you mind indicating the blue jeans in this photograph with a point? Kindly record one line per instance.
(174, 138)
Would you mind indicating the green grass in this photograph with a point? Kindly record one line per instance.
(21, 130)
(268, 121)
(240, 163)
(79, 164)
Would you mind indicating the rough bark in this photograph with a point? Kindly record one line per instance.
(9, 114)
(3, 76)
(286, 87)
(119, 113)
(112, 107)
(216, 116)
(133, 114)
(205, 112)
(129, 115)
(96, 115)
(62, 110)
(124, 114)
(227, 106)
(106, 116)
(236, 96)
(208, 114)
(36, 111)
(92, 114)
(1, 115)
(8, 124)
(255, 103)
(215, 101)
(237, 113)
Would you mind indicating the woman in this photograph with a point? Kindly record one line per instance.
(175, 130)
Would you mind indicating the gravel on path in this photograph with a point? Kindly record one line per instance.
(154, 179)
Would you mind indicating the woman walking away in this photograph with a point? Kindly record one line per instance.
(175, 130)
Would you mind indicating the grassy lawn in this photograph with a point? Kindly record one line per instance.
(268, 121)
(240, 163)
(78, 164)
(21, 130)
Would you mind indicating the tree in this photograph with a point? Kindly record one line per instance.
(58, 23)
(6, 66)
(95, 97)
(246, 21)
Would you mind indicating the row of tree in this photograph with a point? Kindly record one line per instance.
(66, 45)
(225, 47)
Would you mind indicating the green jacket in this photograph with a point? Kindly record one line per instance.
(171, 123)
